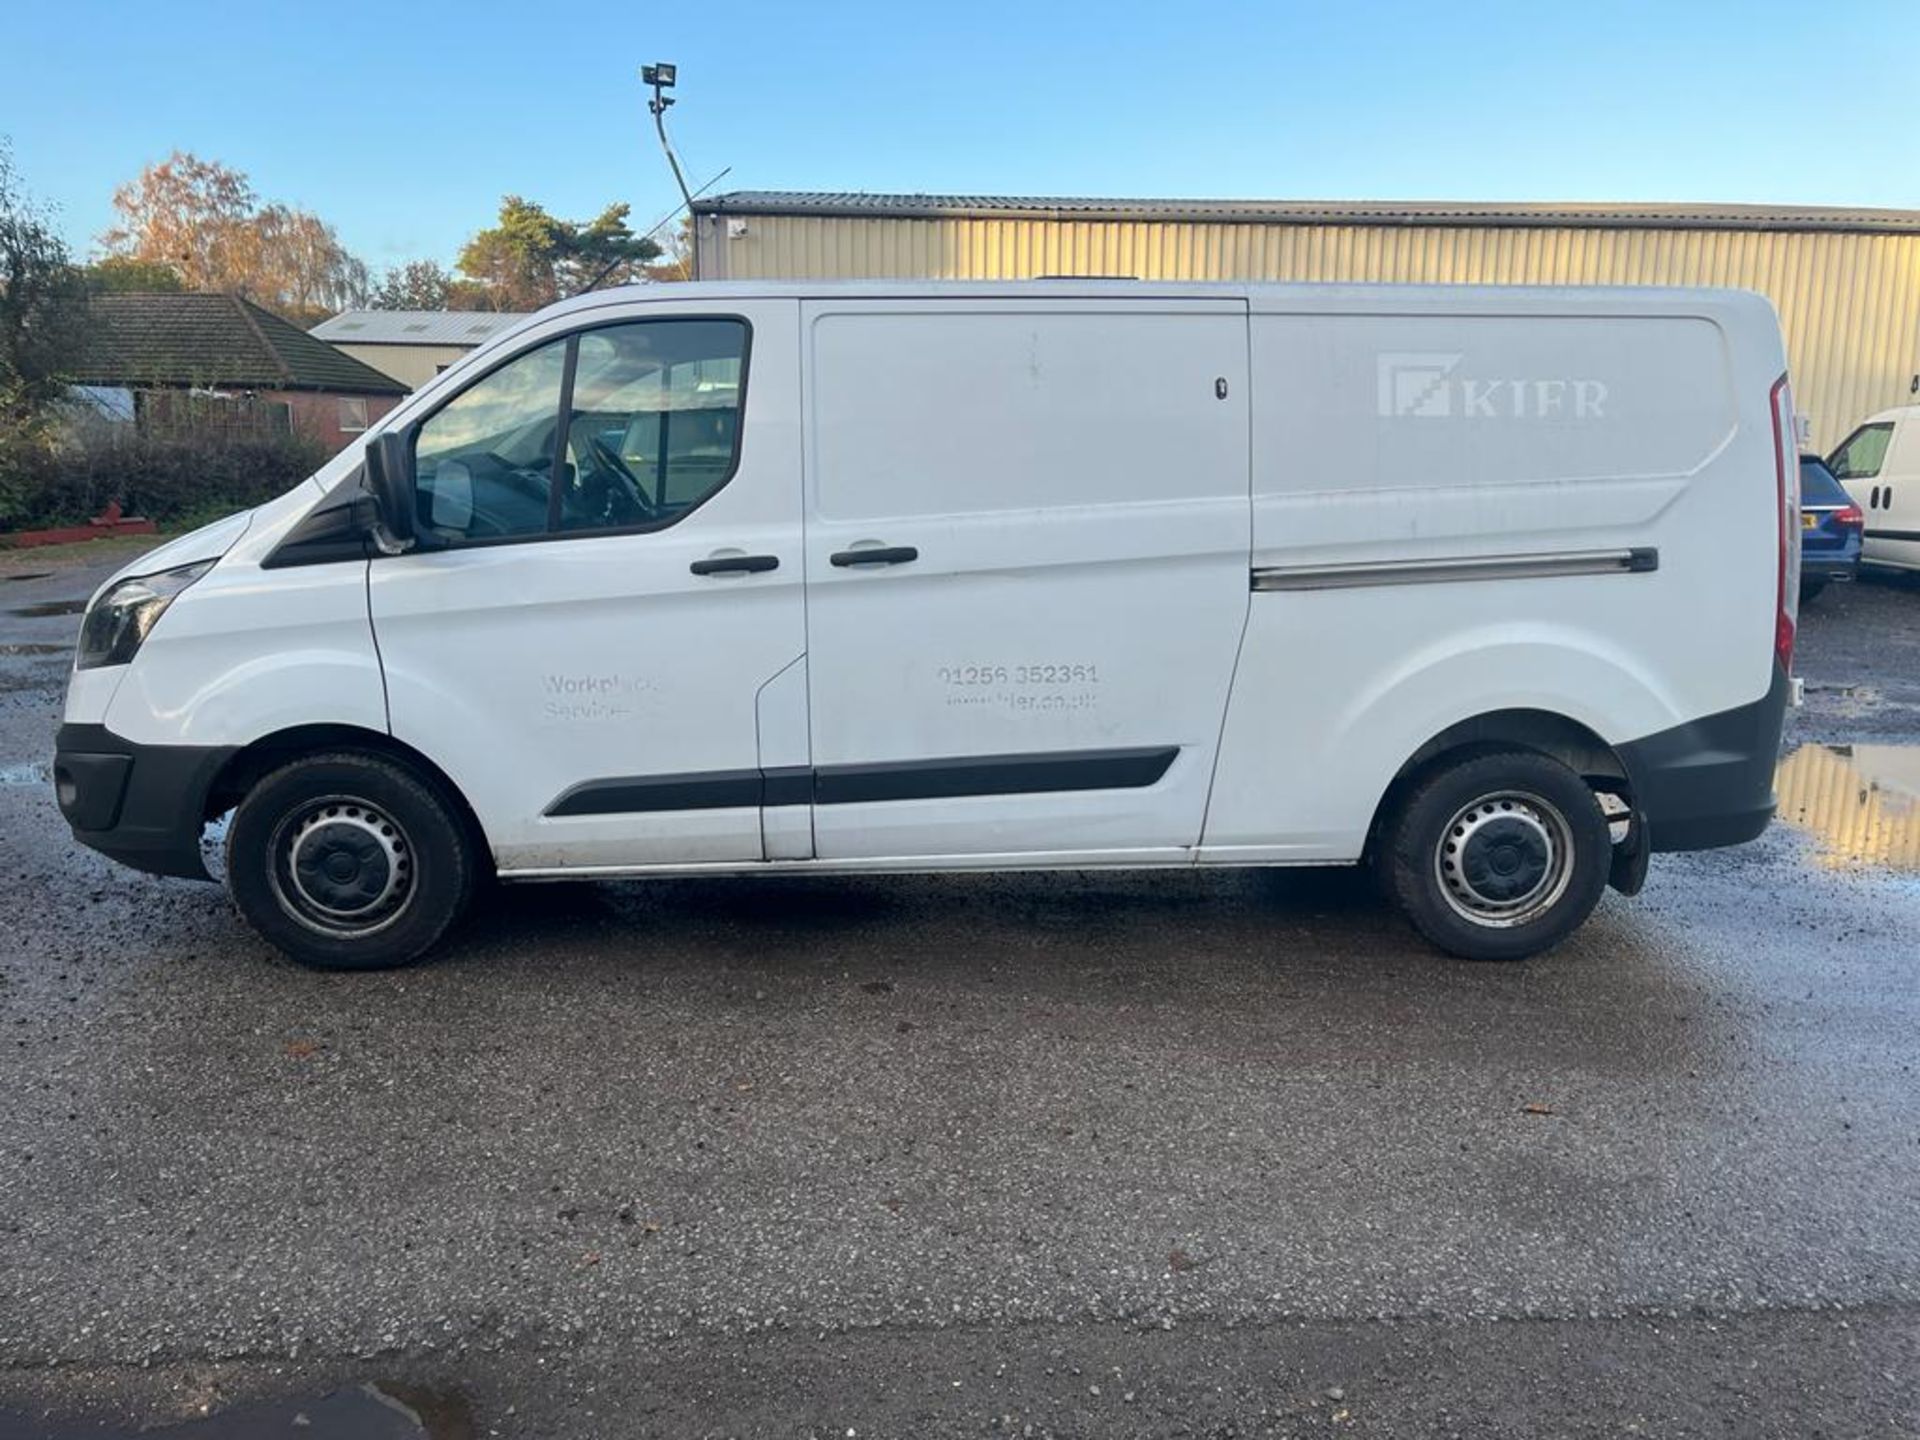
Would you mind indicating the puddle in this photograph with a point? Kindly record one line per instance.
(50, 607)
(359, 1412)
(1862, 802)
(35, 649)
(213, 852)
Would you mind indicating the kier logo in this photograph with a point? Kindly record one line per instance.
(1426, 385)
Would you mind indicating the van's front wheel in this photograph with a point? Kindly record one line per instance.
(348, 861)
(1499, 856)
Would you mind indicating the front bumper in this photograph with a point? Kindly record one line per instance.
(143, 805)
(1710, 782)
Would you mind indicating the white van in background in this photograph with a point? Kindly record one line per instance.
(1879, 463)
(701, 579)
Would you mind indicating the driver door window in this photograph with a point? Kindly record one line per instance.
(625, 427)
(654, 424)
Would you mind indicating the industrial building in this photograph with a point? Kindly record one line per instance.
(412, 346)
(1846, 282)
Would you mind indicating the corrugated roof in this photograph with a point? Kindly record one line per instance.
(1306, 212)
(415, 327)
(140, 339)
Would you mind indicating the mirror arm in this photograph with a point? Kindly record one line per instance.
(388, 461)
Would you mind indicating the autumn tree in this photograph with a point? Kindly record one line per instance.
(676, 256)
(302, 269)
(531, 258)
(416, 285)
(204, 221)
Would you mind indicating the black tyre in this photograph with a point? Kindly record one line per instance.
(349, 861)
(1498, 856)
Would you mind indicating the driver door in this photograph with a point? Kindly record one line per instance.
(614, 579)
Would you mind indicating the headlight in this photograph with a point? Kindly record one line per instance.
(120, 620)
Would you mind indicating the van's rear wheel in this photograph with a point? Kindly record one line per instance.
(349, 861)
(1498, 856)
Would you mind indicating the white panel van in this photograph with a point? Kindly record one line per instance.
(1879, 463)
(1492, 588)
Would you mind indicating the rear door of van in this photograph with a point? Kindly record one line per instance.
(1027, 572)
(1469, 501)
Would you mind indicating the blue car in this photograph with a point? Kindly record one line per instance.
(1830, 529)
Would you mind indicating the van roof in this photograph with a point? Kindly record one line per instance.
(1264, 294)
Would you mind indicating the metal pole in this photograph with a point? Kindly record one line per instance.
(658, 108)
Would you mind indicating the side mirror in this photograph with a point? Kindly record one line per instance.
(389, 462)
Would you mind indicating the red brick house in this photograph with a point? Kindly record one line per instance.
(174, 362)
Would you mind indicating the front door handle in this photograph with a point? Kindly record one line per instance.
(875, 555)
(735, 564)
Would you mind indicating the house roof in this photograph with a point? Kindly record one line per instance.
(141, 339)
(415, 327)
(1581, 214)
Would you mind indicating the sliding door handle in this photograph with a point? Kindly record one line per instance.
(874, 555)
(735, 564)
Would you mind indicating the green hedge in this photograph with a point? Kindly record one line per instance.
(174, 481)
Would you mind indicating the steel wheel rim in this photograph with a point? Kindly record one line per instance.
(1504, 859)
(342, 867)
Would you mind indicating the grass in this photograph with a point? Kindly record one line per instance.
(115, 549)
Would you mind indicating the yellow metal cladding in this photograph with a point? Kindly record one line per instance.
(1862, 802)
(1849, 301)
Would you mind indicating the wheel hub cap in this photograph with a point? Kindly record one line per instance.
(348, 862)
(1504, 859)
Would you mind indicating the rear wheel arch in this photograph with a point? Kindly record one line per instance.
(1545, 732)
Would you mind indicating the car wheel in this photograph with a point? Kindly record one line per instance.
(1498, 856)
(349, 861)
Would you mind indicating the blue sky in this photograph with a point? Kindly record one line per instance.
(403, 123)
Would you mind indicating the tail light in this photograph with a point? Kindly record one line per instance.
(1850, 517)
(1786, 471)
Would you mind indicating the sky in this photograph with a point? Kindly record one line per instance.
(403, 123)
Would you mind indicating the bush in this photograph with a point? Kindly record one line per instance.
(175, 481)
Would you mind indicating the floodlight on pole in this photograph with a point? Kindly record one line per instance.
(660, 77)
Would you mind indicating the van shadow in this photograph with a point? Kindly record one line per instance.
(1312, 958)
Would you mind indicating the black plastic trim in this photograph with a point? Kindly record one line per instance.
(856, 784)
(338, 528)
(992, 775)
(787, 785)
(142, 805)
(1709, 782)
(635, 794)
(1893, 534)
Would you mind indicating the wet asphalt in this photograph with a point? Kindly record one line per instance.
(1219, 1154)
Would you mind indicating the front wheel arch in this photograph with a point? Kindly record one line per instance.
(247, 767)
